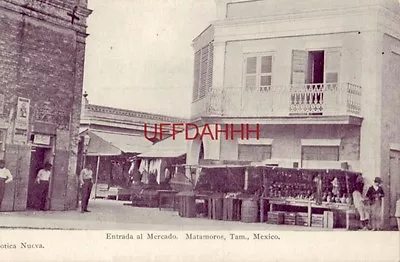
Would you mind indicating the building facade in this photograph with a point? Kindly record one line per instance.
(42, 51)
(320, 78)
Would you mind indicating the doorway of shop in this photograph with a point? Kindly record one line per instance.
(39, 156)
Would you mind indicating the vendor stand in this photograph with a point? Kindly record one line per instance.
(292, 196)
(324, 195)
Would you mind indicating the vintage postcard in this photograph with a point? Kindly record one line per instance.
(199, 130)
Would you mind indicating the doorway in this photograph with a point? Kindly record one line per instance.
(316, 67)
(394, 184)
(39, 156)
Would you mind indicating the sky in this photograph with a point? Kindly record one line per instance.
(139, 54)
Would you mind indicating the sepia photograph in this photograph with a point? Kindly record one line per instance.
(201, 123)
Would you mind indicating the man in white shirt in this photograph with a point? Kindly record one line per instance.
(86, 181)
(397, 214)
(43, 179)
(5, 177)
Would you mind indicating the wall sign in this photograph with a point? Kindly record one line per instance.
(21, 121)
(41, 139)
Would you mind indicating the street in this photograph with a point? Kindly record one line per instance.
(114, 215)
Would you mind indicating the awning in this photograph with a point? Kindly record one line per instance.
(167, 148)
(113, 144)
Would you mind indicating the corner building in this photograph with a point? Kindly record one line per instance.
(320, 77)
(42, 51)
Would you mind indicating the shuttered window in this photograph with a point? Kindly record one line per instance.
(2, 144)
(203, 67)
(321, 153)
(257, 71)
(254, 152)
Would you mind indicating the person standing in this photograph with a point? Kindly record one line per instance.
(86, 181)
(397, 213)
(360, 206)
(43, 179)
(5, 177)
(375, 194)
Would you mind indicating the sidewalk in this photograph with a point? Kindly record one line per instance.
(114, 215)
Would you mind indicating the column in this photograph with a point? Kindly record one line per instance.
(371, 82)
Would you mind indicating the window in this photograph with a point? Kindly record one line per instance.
(203, 71)
(321, 153)
(315, 67)
(257, 72)
(254, 152)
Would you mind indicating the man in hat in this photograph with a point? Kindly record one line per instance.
(375, 194)
(5, 177)
(86, 181)
(43, 180)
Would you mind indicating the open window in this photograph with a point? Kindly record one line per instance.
(313, 73)
(315, 67)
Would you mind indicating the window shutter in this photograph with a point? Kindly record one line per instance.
(210, 66)
(320, 153)
(203, 72)
(254, 152)
(251, 73)
(196, 75)
(299, 67)
(332, 65)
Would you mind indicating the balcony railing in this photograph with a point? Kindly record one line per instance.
(309, 99)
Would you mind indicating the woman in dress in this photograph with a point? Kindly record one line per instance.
(360, 206)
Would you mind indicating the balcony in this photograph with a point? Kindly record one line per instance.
(338, 99)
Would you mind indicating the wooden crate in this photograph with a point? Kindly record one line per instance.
(231, 209)
(317, 220)
(290, 218)
(215, 207)
(302, 219)
(352, 220)
(275, 217)
(101, 190)
(329, 219)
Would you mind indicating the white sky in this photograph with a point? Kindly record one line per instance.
(139, 54)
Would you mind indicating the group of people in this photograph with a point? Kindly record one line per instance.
(369, 205)
(43, 179)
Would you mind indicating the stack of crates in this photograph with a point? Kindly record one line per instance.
(290, 218)
(317, 220)
(302, 219)
(275, 217)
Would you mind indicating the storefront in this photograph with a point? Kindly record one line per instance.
(110, 155)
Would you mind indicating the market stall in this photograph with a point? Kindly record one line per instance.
(293, 196)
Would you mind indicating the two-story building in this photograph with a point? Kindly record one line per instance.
(320, 78)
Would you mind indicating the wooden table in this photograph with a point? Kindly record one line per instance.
(273, 202)
(167, 195)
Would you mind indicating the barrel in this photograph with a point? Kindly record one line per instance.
(216, 207)
(250, 211)
(187, 206)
